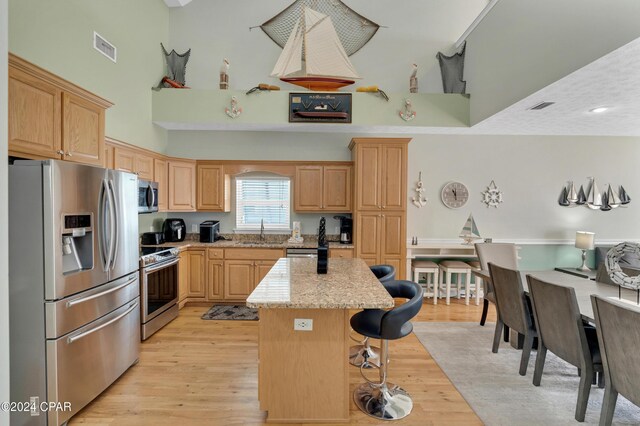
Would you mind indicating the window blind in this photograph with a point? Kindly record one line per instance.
(265, 199)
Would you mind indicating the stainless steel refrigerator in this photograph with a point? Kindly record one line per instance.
(73, 284)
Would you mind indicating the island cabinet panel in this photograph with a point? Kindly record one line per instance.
(182, 185)
(197, 280)
(34, 115)
(215, 280)
(316, 395)
(160, 175)
(238, 279)
(323, 188)
(82, 130)
(213, 188)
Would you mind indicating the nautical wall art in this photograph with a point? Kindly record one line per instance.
(320, 107)
(592, 198)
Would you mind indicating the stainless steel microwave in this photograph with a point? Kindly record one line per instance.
(147, 196)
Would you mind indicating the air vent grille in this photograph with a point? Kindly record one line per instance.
(104, 47)
(541, 105)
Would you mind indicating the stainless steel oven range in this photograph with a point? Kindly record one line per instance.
(158, 288)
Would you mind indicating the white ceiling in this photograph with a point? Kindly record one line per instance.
(612, 81)
(177, 3)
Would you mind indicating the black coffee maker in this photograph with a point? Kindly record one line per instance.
(346, 229)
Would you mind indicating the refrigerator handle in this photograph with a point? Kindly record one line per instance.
(115, 229)
(103, 202)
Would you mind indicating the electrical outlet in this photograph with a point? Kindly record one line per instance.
(336, 230)
(194, 228)
(151, 228)
(303, 324)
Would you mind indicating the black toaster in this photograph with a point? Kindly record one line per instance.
(152, 238)
(209, 231)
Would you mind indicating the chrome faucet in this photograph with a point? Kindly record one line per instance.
(261, 229)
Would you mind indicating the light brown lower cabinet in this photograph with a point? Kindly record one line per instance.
(340, 253)
(223, 275)
(215, 280)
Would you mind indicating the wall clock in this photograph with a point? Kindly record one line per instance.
(454, 195)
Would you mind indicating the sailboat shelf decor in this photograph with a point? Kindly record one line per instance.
(470, 231)
(313, 56)
(592, 197)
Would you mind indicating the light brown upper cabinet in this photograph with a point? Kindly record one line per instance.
(82, 130)
(161, 176)
(182, 185)
(381, 173)
(52, 118)
(134, 161)
(213, 188)
(322, 188)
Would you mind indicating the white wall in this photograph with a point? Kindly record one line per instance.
(523, 46)
(417, 30)
(4, 249)
(530, 170)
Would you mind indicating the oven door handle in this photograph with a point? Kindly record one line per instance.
(72, 339)
(157, 267)
(102, 293)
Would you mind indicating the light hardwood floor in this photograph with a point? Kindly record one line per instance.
(195, 372)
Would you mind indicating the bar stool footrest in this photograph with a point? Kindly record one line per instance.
(389, 402)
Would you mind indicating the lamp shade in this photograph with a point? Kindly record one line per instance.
(584, 240)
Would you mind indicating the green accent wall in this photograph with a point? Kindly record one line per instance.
(58, 36)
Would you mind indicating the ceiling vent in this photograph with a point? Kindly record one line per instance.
(541, 105)
(104, 47)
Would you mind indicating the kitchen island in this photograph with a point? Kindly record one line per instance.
(303, 374)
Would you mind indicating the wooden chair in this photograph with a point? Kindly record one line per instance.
(619, 339)
(501, 254)
(514, 310)
(562, 331)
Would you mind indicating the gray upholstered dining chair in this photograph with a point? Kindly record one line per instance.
(514, 310)
(619, 338)
(562, 331)
(501, 254)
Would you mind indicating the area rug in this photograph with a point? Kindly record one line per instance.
(497, 393)
(231, 312)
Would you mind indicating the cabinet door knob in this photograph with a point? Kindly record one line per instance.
(60, 152)
(384, 207)
(69, 154)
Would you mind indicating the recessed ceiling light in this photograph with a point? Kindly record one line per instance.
(599, 109)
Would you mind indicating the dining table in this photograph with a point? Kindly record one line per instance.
(583, 287)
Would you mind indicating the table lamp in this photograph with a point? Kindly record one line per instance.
(584, 241)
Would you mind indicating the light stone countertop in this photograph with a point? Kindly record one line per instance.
(293, 283)
(240, 244)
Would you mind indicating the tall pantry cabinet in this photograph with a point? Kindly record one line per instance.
(380, 213)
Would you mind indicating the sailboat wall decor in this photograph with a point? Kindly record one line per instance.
(470, 231)
(594, 199)
(325, 65)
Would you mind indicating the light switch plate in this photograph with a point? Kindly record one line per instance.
(303, 324)
(194, 228)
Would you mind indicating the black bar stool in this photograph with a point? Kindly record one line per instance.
(358, 354)
(384, 400)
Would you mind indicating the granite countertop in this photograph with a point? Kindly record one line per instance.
(245, 244)
(294, 283)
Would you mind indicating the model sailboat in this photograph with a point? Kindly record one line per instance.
(325, 65)
(470, 231)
